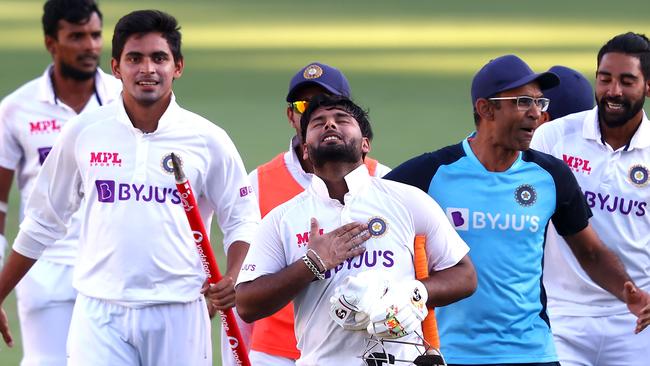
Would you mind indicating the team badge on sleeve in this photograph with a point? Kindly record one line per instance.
(166, 163)
(377, 226)
(639, 175)
(525, 195)
(312, 72)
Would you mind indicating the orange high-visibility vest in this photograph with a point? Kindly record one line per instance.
(274, 335)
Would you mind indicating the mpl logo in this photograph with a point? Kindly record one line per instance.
(47, 126)
(577, 164)
(459, 217)
(303, 239)
(105, 159)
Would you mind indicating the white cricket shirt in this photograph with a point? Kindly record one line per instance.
(616, 187)
(295, 169)
(30, 121)
(135, 246)
(395, 213)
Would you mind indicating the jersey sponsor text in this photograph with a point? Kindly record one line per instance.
(478, 220)
(105, 159)
(47, 126)
(368, 259)
(611, 203)
(107, 192)
(577, 164)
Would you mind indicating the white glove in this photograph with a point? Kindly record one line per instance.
(400, 311)
(352, 299)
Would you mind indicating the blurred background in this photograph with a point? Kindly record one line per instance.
(409, 62)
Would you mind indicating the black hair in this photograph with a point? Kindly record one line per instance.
(633, 44)
(72, 11)
(336, 102)
(147, 21)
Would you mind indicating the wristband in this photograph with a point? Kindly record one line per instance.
(312, 267)
(4, 207)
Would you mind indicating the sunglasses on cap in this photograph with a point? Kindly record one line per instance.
(299, 106)
(525, 103)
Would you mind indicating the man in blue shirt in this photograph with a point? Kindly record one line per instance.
(500, 196)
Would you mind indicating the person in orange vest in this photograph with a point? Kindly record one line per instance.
(273, 341)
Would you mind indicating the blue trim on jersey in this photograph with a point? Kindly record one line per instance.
(503, 217)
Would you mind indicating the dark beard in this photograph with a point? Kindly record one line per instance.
(348, 153)
(630, 110)
(70, 72)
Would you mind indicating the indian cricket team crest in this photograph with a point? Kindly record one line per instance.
(312, 72)
(638, 175)
(377, 226)
(525, 195)
(166, 163)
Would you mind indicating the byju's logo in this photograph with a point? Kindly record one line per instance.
(479, 220)
(105, 159)
(577, 164)
(105, 190)
(109, 191)
(48, 126)
(459, 217)
(42, 153)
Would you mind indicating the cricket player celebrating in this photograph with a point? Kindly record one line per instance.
(608, 150)
(501, 196)
(138, 272)
(315, 248)
(31, 119)
(273, 340)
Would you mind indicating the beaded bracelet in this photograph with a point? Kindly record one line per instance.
(312, 267)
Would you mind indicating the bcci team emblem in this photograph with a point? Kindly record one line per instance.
(525, 195)
(312, 72)
(377, 226)
(166, 163)
(639, 175)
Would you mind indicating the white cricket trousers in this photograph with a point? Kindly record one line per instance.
(103, 333)
(600, 341)
(45, 302)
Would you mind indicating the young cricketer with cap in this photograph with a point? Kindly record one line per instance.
(608, 151)
(289, 173)
(500, 196)
(574, 94)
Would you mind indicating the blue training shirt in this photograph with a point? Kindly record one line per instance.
(502, 216)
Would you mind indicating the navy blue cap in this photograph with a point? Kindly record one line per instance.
(505, 73)
(574, 94)
(320, 74)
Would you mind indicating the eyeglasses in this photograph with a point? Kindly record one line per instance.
(299, 106)
(525, 103)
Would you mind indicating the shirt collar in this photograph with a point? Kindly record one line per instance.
(170, 115)
(591, 130)
(357, 180)
(46, 88)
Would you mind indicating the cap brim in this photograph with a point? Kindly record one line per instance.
(546, 80)
(292, 92)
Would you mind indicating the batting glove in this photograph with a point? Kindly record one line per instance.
(400, 311)
(352, 299)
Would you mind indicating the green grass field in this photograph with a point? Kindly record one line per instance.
(409, 62)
